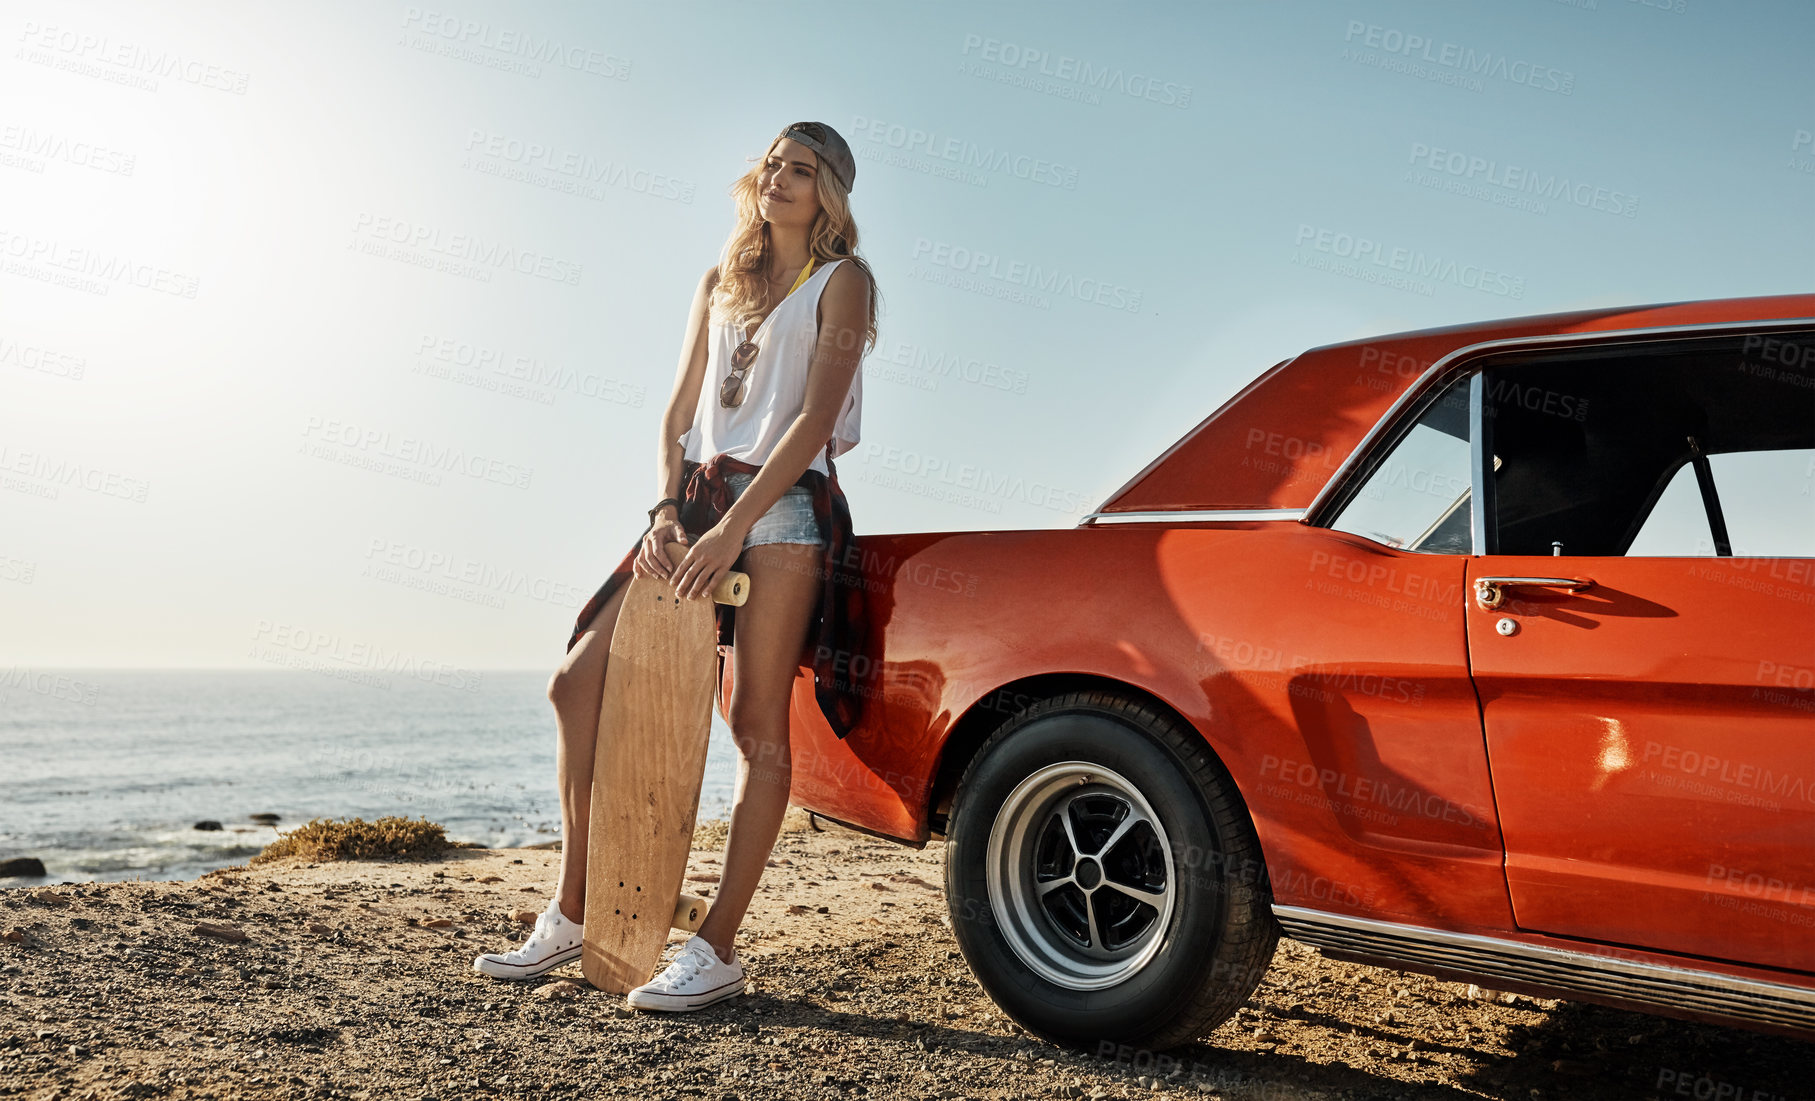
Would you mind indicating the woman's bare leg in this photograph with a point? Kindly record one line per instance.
(771, 633)
(577, 689)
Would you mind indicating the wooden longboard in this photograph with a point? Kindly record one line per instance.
(654, 721)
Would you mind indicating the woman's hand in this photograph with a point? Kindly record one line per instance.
(707, 561)
(651, 559)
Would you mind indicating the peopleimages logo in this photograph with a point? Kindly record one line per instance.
(30, 148)
(355, 445)
(1025, 274)
(1409, 50)
(86, 269)
(962, 153)
(1802, 151)
(572, 171)
(121, 61)
(1409, 262)
(1469, 169)
(465, 252)
(928, 468)
(1013, 57)
(41, 475)
(523, 47)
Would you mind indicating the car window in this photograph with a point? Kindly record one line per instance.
(1678, 524)
(1767, 499)
(1417, 498)
(1596, 449)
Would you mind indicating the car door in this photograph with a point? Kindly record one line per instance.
(1641, 634)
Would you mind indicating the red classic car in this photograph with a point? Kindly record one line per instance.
(1485, 651)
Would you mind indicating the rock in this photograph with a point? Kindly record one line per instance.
(438, 923)
(49, 898)
(318, 927)
(524, 917)
(21, 865)
(220, 932)
(14, 935)
(560, 988)
(208, 824)
(264, 819)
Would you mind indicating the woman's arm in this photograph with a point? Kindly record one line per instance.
(684, 401)
(844, 308)
(677, 417)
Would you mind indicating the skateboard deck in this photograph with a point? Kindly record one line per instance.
(654, 721)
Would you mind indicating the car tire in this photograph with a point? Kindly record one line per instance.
(1153, 940)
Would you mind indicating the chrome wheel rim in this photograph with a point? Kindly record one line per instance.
(1080, 876)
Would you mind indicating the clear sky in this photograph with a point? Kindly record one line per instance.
(262, 267)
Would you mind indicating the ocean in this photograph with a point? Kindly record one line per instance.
(104, 773)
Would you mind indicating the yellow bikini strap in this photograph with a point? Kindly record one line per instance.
(802, 277)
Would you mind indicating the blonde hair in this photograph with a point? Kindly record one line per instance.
(743, 285)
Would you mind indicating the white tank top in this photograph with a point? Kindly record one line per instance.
(775, 385)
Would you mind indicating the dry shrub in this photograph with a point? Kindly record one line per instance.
(709, 833)
(324, 839)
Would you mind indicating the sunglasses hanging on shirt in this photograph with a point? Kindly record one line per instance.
(731, 391)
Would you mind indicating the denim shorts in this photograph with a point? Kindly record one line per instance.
(789, 520)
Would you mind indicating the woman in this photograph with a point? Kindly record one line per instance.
(769, 389)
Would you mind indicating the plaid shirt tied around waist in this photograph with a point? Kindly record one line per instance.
(840, 626)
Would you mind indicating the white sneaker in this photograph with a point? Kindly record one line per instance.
(553, 942)
(694, 979)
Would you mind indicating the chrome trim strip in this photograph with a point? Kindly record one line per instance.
(1598, 336)
(1196, 515)
(1559, 968)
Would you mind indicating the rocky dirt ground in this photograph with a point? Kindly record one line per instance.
(353, 980)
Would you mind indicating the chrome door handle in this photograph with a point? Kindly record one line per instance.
(1490, 592)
